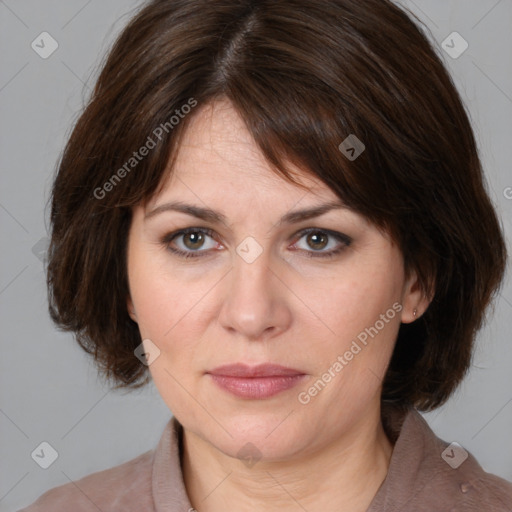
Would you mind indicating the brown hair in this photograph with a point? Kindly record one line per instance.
(303, 75)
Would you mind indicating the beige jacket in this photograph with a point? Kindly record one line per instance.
(425, 474)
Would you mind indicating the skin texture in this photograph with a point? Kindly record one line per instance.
(285, 308)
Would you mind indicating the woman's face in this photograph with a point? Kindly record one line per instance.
(323, 296)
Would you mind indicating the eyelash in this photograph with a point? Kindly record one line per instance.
(342, 238)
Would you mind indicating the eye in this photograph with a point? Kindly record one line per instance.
(197, 242)
(317, 240)
(190, 242)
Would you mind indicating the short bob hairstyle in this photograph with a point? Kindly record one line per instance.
(303, 75)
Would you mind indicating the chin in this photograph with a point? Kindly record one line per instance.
(259, 436)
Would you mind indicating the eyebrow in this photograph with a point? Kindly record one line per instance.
(213, 216)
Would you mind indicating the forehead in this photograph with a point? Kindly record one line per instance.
(217, 151)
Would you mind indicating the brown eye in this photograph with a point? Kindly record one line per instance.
(193, 240)
(317, 240)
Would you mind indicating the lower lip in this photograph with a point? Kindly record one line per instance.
(256, 387)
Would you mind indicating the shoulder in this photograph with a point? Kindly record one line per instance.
(467, 488)
(123, 487)
(489, 492)
(454, 480)
(427, 473)
(460, 481)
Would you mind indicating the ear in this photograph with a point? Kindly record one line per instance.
(131, 309)
(414, 300)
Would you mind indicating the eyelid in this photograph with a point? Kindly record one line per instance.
(342, 237)
(168, 238)
(345, 240)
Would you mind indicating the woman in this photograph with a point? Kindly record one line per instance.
(276, 211)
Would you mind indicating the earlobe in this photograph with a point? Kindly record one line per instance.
(131, 309)
(415, 301)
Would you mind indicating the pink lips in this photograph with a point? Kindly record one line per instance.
(255, 382)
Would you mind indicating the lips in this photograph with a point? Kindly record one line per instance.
(261, 370)
(255, 382)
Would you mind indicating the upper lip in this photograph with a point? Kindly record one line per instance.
(260, 370)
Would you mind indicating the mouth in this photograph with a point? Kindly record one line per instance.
(255, 382)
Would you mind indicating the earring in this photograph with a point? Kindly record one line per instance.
(414, 312)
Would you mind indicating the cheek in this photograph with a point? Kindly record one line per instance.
(160, 298)
(172, 311)
(354, 300)
(154, 302)
(350, 363)
(361, 307)
(168, 309)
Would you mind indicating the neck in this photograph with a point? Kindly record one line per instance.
(344, 474)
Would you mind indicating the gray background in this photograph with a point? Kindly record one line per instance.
(49, 390)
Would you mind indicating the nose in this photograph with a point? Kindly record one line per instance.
(255, 299)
